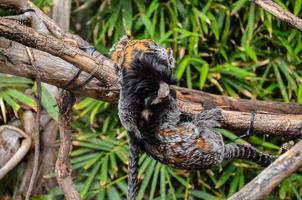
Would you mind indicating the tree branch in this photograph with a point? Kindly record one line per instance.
(82, 60)
(13, 60)
(63, 167)
(261, 186)
(280, 13)
(19, 154)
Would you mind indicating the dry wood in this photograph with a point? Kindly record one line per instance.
(261, 186)
(280, 13)
(29, 37)
(63, 168)
(21, 152)
(80, 59)
(61, 13)
(44, 183)
(57, 72)
(28, 126)
(37, 124)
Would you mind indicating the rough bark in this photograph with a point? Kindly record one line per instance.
(53, 70)
(261, 186)
(107, 74)
(63, 167)
(280, 13)
(102, 68)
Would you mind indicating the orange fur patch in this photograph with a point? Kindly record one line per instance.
(126, 49)
(200, 143)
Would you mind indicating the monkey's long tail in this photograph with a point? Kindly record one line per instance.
(133, 169)
(239, 151)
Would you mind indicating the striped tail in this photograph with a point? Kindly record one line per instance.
(239, 151)
(133, 169)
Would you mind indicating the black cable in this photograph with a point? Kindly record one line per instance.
(22, 11)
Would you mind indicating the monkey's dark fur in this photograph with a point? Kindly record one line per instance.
(156, 124)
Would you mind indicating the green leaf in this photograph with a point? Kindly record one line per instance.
(238, 5)
(148, 25)
(182, 67)
(146, 180)
(227, 173)
(90, 179)
(104, 171)
(19, 96)
(49, 104)
(10, 101)
(203, 74)
(113, 194)
(154, 181)
(280, 83)
(299, 100)
(202, 195)
(162, 183)
(297, 7)
(127, 16)
(251, 53)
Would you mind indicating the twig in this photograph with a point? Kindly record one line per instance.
(268, 179)
(280, 13)
(37, 124)
(63, 168)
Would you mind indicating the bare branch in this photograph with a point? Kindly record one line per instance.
(21, 152)
(37, 124)
(57, 72)
(261, 186)
(63, 168)
(61, 13)
(280, 13)
(102, 69)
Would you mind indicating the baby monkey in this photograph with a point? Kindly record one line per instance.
(148, 111)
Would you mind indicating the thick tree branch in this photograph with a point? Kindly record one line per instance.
(261, 186)
(53, 70)
(29, 37)
(82, 60)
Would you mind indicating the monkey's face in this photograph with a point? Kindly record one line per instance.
(148, 78)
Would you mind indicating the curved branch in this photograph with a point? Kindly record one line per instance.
(268, 179)
(19, 155)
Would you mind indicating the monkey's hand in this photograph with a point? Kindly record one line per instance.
(209, 118)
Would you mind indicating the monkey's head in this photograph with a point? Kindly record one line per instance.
(148, 78)
(146, 70)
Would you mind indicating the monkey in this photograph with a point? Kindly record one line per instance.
(150, 86)
(148, 110)
(134, 102)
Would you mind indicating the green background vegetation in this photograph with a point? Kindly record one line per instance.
(225, 47)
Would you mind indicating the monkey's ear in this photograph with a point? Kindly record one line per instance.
(117, 50)
(171, 60)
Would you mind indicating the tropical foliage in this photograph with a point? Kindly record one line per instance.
(225, 47)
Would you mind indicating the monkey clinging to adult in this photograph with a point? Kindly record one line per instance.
(148, 111)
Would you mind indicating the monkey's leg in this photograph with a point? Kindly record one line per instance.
(133, 168)
(209, 118)
(239, 151)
